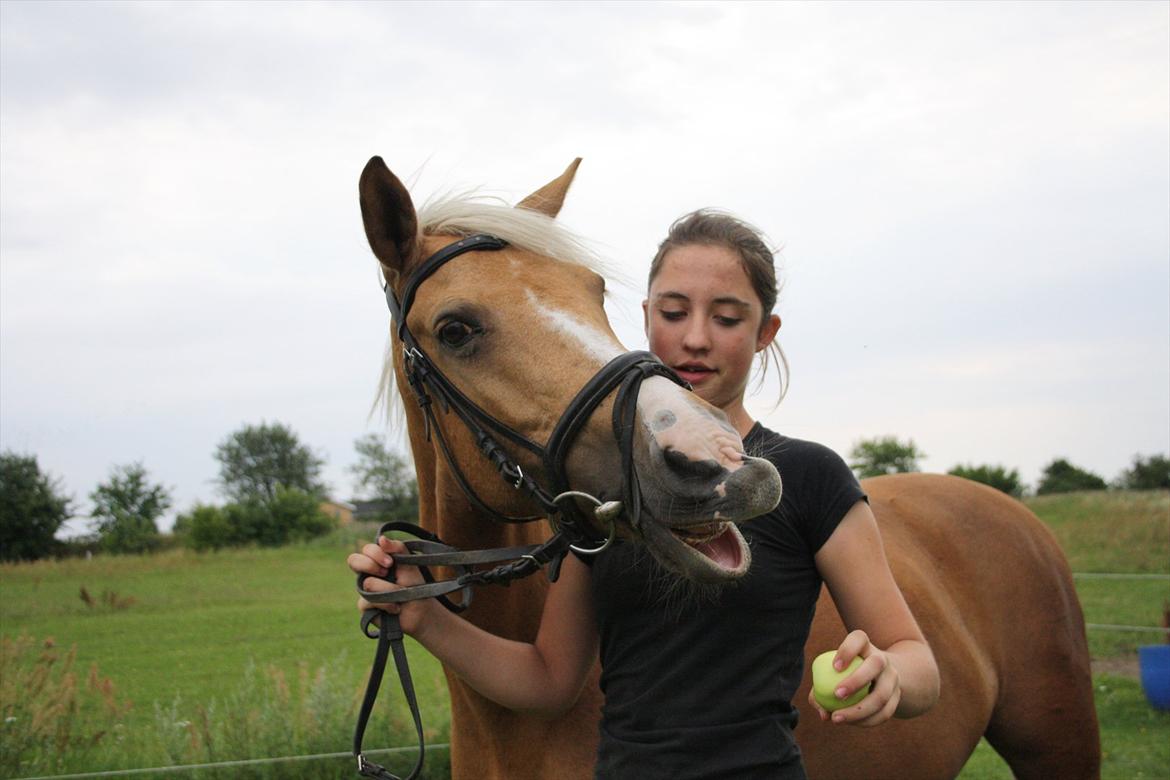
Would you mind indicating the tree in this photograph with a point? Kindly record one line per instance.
(383, 475)
(1152, 473)
(257, 459)
(996, 476)
(1060, 476)
(32, 509)
(884, 455)
(126, 509)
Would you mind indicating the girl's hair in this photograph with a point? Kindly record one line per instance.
(710, 227)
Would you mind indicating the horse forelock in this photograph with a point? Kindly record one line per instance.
(464, 214)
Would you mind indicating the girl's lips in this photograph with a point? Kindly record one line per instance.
(693, 374)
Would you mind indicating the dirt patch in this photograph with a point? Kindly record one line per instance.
(1123, 666)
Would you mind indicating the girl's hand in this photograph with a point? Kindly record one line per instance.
(375, 559)
(883, 698)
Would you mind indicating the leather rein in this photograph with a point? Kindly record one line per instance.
(558, 503)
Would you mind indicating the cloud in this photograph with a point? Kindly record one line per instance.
(972, 201)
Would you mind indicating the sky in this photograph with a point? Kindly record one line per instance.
(971, 202)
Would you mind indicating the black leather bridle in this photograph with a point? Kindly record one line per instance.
(557, 502)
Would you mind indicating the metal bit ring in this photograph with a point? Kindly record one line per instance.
(606, 512)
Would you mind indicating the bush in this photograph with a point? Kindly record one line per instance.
(1152, 473)
(206, 528)
(298, 516)
(996, 476)
(293, 515)
(1060, 476)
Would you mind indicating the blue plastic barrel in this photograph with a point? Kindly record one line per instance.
(1154, 661)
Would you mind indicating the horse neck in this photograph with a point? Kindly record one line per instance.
(444, 510)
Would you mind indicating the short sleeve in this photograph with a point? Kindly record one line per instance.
(830, 490)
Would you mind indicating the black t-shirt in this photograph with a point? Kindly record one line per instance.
(699, 684)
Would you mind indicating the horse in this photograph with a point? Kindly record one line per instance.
(984, 577)
(500, 323)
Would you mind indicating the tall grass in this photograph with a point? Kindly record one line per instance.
(48, 712)
(53, 723)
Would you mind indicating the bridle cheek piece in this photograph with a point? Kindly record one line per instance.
(558, 502)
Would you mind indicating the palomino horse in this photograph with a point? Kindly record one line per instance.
(983, 576)
(517, 330)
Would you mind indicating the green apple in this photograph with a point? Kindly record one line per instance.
(826, 680)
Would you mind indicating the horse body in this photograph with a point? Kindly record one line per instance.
(993, 594)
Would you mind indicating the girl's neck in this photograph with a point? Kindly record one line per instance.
(739, 418)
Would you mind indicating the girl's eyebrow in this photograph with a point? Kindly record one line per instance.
(731, 300)
(723, 300)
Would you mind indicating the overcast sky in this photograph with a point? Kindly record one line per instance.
(973, 202)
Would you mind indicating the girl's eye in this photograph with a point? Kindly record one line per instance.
(456, 333)
(672, 316)
(729, 322)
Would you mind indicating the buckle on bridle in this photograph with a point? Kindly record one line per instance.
(513, 472)
(606, 512)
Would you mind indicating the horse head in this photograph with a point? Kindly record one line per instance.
(519, 329)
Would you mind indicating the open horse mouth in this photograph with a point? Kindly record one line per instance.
(701, 542)
(715, 552)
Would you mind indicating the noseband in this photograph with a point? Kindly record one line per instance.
(557, 502)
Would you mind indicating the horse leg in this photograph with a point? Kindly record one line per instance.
(1045, 724)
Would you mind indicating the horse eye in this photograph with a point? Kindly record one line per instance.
(455, 333)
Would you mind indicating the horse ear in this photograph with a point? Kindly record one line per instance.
(549, 198)
(389, 217)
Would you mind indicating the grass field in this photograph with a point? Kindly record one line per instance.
(252, 653)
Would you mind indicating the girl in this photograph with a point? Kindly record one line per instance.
(704, 689)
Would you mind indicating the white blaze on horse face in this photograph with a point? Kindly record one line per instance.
(595, 342)
(676, 420)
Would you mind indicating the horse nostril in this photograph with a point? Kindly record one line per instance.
(684, 467)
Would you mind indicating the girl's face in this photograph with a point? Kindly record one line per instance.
(703, 319)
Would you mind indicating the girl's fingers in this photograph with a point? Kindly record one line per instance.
(393, 609)
(360, 563)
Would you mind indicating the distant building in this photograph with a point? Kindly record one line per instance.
(374, 510)
(340, 511)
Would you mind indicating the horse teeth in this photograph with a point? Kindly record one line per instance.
(699, 534)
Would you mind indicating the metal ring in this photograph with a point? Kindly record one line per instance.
(596, 504)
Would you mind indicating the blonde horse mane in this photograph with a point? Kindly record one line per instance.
(468, 213)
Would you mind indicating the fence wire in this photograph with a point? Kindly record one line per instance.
(228, 764)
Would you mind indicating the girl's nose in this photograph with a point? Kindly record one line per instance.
(696, 338)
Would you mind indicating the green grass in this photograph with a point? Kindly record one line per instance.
(1110, 531)
(1115, 532)
(208, 638)
(198, 621)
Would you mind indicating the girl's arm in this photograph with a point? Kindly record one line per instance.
(544, 676)
(896, 657)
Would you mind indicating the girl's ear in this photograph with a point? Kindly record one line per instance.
(646, 317)
(768, 331)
